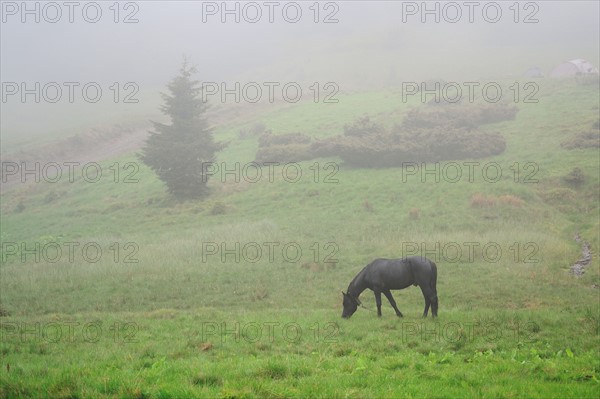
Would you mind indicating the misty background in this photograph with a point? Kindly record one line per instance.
(369, 48)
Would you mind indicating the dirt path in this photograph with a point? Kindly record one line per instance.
(94, 145)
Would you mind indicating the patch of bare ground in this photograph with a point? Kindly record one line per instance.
(94, 145)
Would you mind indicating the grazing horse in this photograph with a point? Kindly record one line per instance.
(383, 275)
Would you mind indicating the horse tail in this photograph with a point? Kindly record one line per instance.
(433, 284)
(433, 280)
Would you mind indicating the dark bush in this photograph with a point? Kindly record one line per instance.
(420, 145)
(292, 147)
(20, 207)
(50, 196)
(590, 139)
(449, 116)
(3, 311)
(558, 195)
(458, 116)
(218, 208)
(284, 153)
(363, 127)
(256, 129)
(575, 177)
(327, 148)
(442, 133)
(268, 139)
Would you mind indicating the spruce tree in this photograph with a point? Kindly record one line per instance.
(178, 153)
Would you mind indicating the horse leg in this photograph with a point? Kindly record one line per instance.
(434, 304)
(378, 301)
(428, 295)
(388, 295)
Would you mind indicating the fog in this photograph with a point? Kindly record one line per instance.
(366, 46)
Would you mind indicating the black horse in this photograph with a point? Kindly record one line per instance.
(383, 275)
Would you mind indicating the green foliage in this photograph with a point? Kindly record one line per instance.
(178, 152)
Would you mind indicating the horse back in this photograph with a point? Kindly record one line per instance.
(389, 274)
(396, 274)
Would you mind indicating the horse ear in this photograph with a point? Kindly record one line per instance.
(343, 293)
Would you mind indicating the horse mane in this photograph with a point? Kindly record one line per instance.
(360, 273)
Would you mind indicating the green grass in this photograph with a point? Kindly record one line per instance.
(182, 322)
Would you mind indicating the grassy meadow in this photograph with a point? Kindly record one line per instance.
(135, 295)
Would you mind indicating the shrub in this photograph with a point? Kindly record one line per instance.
(575, 177)
(284, 153)
(260, 293)
(511, 200)
(3, 311)
(479, 200)
(258, 128)
(50, 196)
(389, 149)
(255, 130)
(589, 139)
(414, 213)
(268, 139)
(218, 208)
(458, 116)
(363, 127)
(330, 147)
(20, 207)
(442, 133)
(292, 147)
(558, 195)
(451, 116)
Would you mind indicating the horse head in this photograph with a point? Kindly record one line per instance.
(350, 304)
